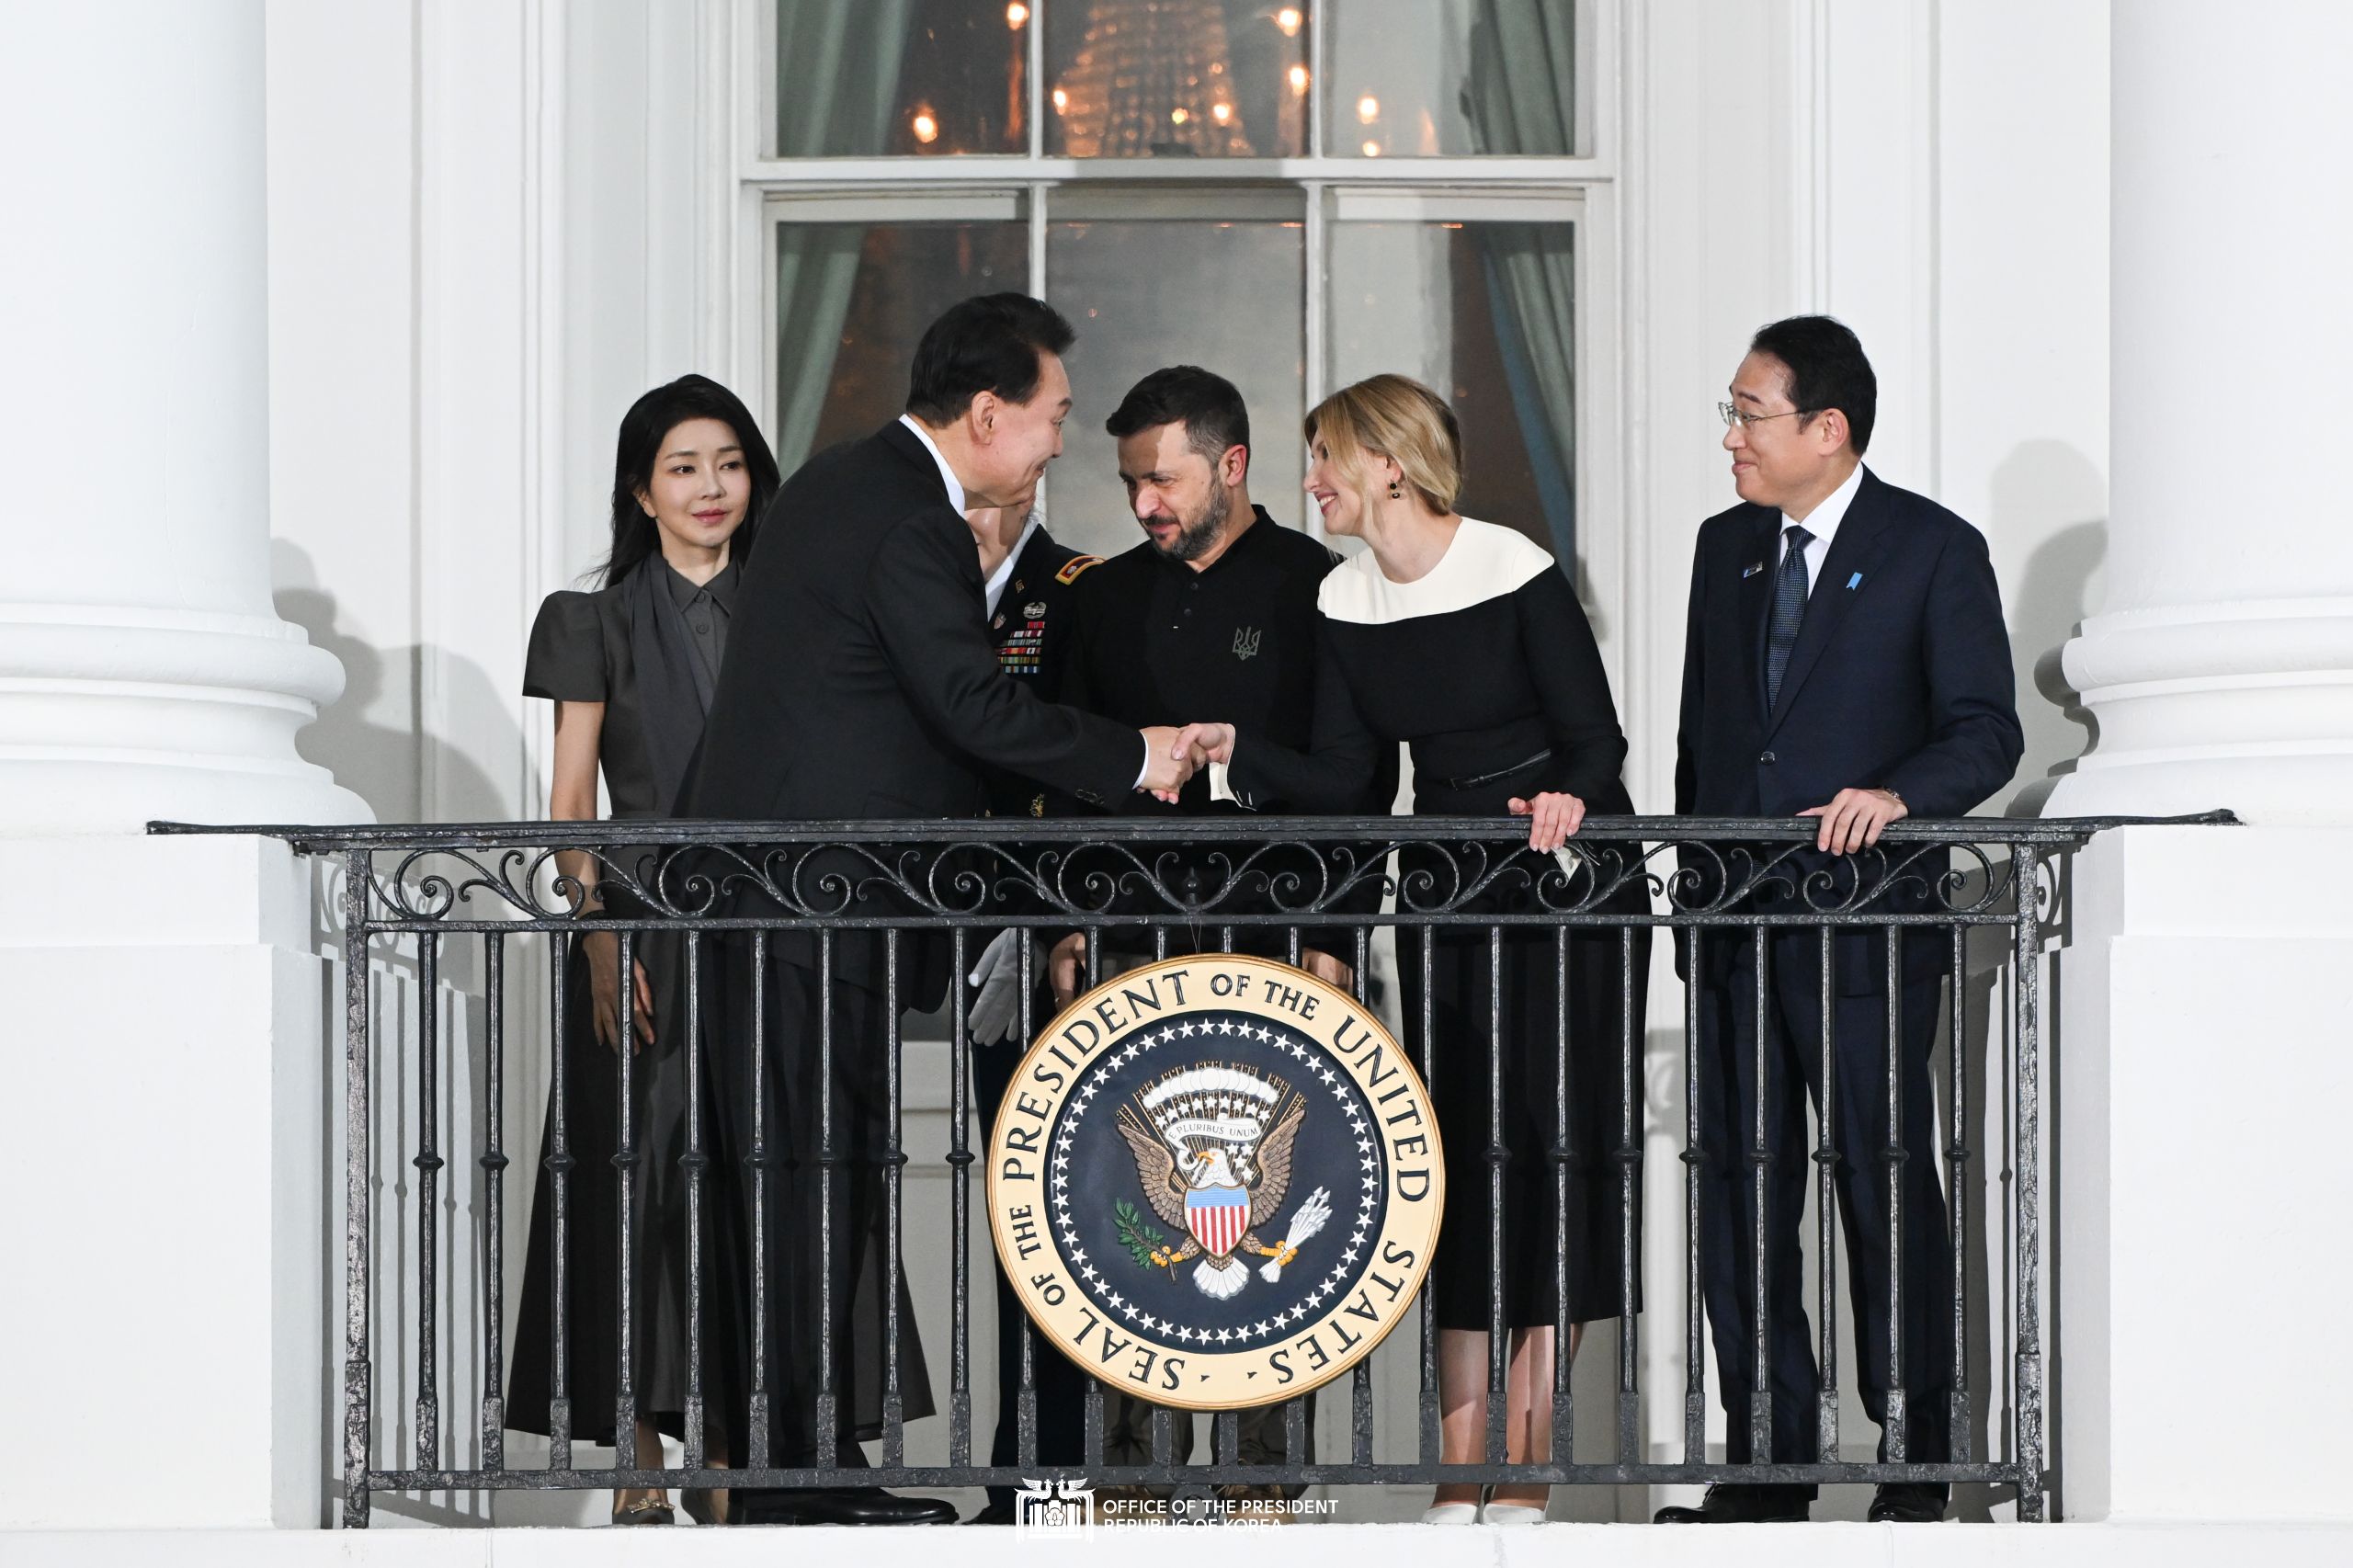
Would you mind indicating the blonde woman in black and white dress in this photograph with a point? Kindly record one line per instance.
(1465, 641)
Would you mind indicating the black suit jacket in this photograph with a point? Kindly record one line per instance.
(860, 680)
(1900, 677)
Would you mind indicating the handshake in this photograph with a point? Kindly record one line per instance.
(1173, 756)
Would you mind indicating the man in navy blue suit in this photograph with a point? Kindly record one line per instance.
(1845, 661)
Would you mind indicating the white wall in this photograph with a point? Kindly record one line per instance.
(642, 186)
(2022, 386)
(408, 487)
(164, 1141)
(2203, 1181)
(344, 494)
(490, 231)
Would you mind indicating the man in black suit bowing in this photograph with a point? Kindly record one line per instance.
(1845, 661)
(861, 682)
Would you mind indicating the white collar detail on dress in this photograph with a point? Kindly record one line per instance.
(1484, 561)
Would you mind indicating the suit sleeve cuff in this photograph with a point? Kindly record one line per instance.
(1918, 794)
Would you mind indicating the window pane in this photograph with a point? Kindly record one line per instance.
(852, 301)
(1176, 78)
(867, 78)
(1228, 296)
(1482, 313)
(1450, 78)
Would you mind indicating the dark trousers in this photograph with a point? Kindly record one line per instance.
(826, 1328)
(1858, 1119)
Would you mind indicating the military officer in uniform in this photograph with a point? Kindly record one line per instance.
(1032, 584)
(1032, 587)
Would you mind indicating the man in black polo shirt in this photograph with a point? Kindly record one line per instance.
(1213, 613)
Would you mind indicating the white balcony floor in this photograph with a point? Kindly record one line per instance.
(1363, 1546)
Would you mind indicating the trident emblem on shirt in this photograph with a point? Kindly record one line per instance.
(1245, 641)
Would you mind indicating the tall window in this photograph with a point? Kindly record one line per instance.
(1294, 195)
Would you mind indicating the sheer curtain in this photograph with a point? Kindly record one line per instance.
(837, 83)
(1519, 101)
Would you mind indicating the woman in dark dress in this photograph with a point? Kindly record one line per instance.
(1465, 642)
(631, 667)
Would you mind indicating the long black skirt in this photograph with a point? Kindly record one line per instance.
(1594, 1223)
(658, 1185)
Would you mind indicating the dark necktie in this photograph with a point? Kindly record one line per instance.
(1790, 587)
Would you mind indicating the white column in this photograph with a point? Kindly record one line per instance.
(2200, 1182)
(2200, 1186)
(143, 673)
(2222, 674)
(166, 1160)
(164, 994)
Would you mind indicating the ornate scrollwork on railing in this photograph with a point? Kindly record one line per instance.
(1112, 878)
(2049, 890)
(439, 882)
(1109, 879)
(1713, 877)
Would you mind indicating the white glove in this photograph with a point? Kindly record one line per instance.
(996, 1005)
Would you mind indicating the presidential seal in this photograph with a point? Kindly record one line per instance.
(1215, 1182)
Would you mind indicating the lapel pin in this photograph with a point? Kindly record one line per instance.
(1752, 571)
(1856, 581)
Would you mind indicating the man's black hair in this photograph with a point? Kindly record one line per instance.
(989, 343)
(1826, 370)
(1206, 403)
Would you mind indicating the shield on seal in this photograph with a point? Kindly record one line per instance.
(1217, 1216)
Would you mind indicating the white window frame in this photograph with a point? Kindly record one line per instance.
(1581, 190)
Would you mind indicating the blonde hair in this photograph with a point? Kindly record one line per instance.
(1398, 418)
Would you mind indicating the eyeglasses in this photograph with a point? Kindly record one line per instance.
(1734, 416)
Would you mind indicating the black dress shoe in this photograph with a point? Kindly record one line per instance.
(843, 1505)
(1731, 1504)
(1907, 1503)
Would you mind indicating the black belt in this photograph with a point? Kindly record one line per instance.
(1545, 755)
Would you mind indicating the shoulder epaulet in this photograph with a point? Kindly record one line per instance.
(1073, 566)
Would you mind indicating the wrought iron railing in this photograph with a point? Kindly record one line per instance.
(431, 892)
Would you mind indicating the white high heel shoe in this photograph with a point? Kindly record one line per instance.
(1451, 1514)
(1512, 1514)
